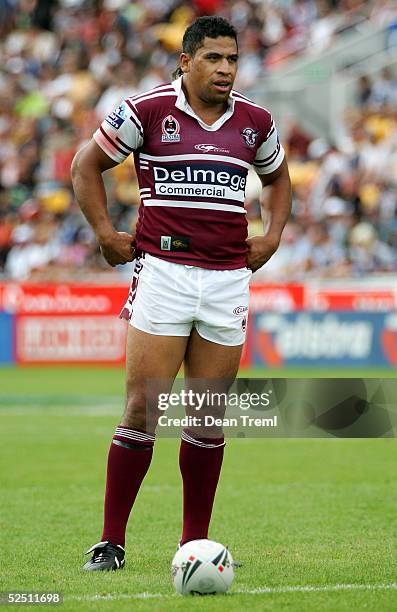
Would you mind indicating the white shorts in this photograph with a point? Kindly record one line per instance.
(169, 299)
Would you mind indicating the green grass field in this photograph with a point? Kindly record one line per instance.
(313, 521)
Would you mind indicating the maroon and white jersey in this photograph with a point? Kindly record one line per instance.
(192, 176)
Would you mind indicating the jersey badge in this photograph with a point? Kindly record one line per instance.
(249, 135)
(170, 129)
(174, 243)
(117, 117)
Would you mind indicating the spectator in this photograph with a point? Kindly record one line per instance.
(367, 253)
(325, 257)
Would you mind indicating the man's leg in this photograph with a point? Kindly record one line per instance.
(201, 458)
(130, 453)
(147, 357)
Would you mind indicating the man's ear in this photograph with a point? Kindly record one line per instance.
(184, 62)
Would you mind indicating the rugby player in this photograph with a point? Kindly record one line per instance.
(193, 141)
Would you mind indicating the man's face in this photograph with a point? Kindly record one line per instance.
(212, 69)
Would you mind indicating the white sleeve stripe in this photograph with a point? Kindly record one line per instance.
(136, 125)
(123, 144)
(134, 116)
(109, 149)
(116, 146)
(268, 160)
(273, 166)
(269, 163)
(272, 128)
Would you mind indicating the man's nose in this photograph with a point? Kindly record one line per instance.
(224, 66)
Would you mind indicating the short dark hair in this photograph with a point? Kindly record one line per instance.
(203, 27)
(207, 26)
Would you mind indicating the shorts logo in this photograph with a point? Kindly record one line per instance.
(117, 117)
(165, 243)
(209, 148)
(170, 129)
(249, 135)
(240, 309)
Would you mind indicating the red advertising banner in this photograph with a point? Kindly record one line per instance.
(73, 323)
(276, 298)
(66, 323)
(70, 339)
(350, 298)
(68, 299)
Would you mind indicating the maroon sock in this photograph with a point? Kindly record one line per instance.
(200, 461)
(129, 458)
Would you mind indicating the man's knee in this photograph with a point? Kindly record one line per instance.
(135, 411)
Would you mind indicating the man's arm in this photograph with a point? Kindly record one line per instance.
(87, 167)
(261, 248)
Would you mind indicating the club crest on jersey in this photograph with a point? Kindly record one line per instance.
(249, 135)
(170, 129)
(117, 117)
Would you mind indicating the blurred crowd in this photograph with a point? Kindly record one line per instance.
(65, 64)
(344, 216)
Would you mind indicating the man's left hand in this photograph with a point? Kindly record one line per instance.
(260, 250)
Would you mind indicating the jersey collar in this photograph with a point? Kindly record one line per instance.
(184, 106)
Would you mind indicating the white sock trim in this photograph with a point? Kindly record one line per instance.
(186, 438)
(132, 434)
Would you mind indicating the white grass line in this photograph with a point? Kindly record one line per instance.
(67, 408)
(320, 588)
(118, 597)
(259, 591)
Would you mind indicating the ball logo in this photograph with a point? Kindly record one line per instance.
(170, 129)
(249, 135)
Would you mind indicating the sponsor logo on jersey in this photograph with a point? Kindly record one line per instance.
(209, 148)
(170, 129)
(240, 309)
(165, 243)
(117, 117)
(249, 135)
(244, 324)
(205, 181)
(174, 243)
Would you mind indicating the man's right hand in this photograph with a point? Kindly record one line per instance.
(118, 248)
